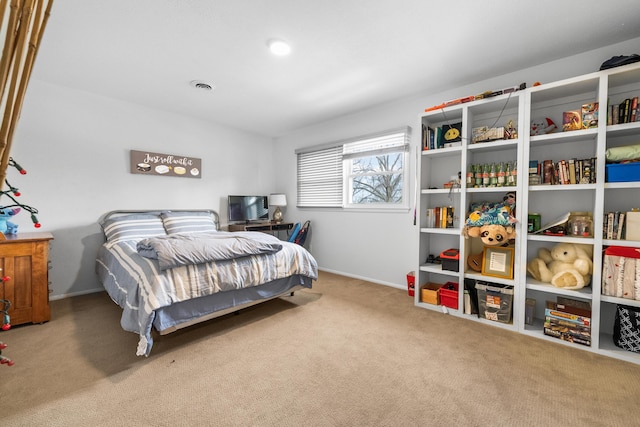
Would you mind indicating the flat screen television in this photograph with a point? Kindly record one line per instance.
(248, 208)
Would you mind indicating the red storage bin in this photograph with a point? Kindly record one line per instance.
(449, 295)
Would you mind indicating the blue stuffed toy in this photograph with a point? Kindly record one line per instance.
(6, 226)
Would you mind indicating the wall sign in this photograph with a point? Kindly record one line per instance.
(147, 163)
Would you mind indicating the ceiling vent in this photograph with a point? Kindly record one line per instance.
(201, 85)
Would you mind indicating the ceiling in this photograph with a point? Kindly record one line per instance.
(347, 55)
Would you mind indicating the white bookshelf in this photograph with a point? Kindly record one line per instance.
(547, 100)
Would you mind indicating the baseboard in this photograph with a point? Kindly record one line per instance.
(368, 279)
(75, 294)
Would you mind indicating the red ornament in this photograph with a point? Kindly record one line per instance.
(6, 279)
(23, 172)
(17, 194)
(36, 225)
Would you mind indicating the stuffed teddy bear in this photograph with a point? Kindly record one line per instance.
(6, 226)
(566, 265)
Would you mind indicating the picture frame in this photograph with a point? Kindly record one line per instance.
(498, 261)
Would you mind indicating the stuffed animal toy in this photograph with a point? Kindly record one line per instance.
(542, 126)
(491, 234)
(566, 265)
(493, 222)
(6, 226)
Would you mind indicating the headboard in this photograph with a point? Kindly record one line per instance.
(116, 213)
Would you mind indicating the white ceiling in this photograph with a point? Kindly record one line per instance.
(347, 54)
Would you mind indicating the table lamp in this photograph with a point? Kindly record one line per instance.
(277, 200)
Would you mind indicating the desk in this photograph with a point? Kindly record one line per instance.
(266, 227)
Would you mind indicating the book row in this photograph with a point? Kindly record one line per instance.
(440, 217)
(614, 226)
(572, 171)
(625, 112)
(442, 136)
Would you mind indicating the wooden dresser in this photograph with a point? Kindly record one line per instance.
(24, 264)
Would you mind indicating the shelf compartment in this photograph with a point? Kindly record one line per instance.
(535, 285)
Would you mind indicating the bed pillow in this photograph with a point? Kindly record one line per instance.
(133, 227)
(188, 222)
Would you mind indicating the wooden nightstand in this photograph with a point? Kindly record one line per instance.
(24, 262)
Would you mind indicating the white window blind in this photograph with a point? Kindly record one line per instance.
(375, 146)
(320, 178)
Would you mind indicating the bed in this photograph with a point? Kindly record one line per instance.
(169, 269)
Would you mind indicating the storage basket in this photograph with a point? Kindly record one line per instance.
(495, 301)
(626, 328)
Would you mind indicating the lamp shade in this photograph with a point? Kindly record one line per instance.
(278, 200)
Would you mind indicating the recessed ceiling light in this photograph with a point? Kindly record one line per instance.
(198, 84)
(279, 47)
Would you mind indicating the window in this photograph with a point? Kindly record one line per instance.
(365, 172)
(320, 178)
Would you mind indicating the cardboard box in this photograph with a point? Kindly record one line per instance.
(430, 294)
(571, 120)
(632, 226)
(590, 115)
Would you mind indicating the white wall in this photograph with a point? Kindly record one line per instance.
(382, 247)
(75, 147)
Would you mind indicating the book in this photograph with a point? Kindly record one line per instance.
(437, 137)
(443, 217)
(547, 172)
(590, 115)
(611, 216)
(571, 120)
(623, 111)
(565, 172)
(425, 138)
(432, 135)
(621, 226)
(627, 110)
(450, 215)
(572, 171)
(429, 221)
(586, 172)
(615, 116)
(634, 109)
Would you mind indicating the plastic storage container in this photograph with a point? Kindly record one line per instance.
(623, 172)
(449, 295)
(495, 301)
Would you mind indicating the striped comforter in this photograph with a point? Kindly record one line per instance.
(139, 286)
